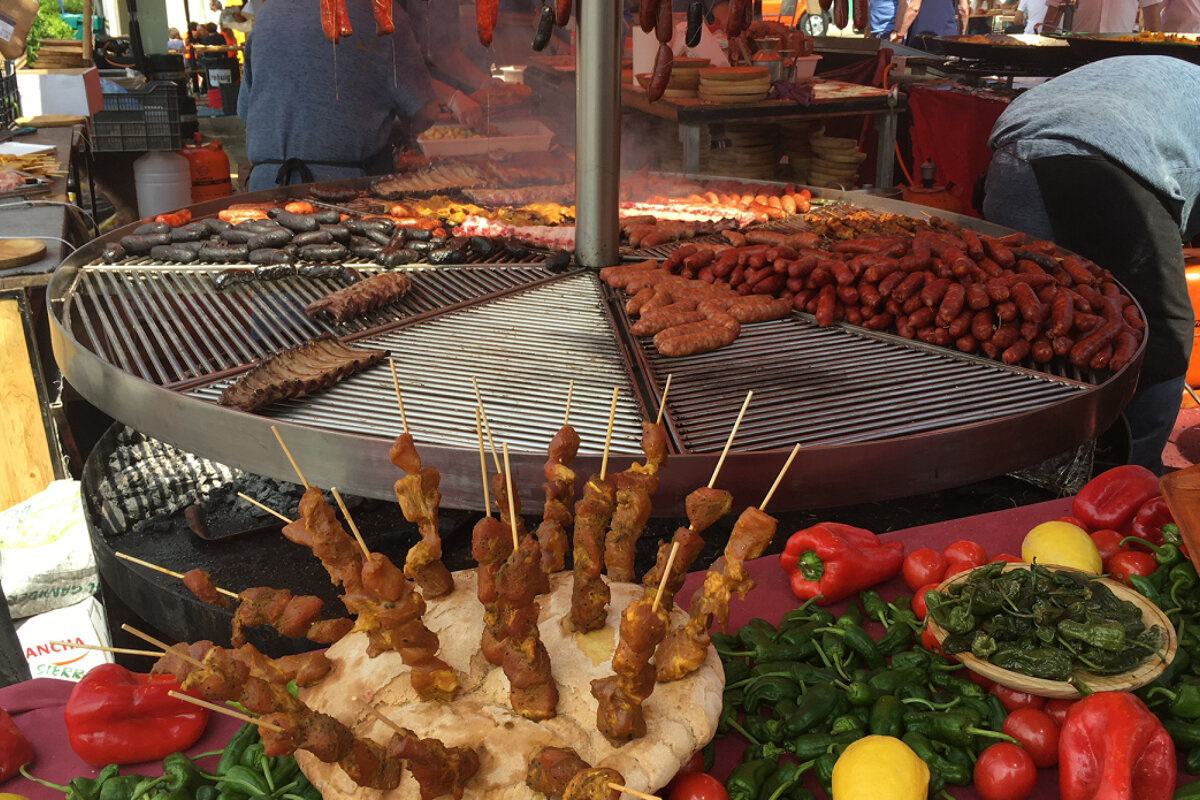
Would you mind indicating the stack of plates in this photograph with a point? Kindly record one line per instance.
(794, 136)
(734, 84)
(835, 161)
(751, 151)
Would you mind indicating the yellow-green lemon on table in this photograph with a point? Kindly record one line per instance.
(880, 768)
(1062, 544)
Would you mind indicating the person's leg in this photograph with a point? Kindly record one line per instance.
(1101, 211)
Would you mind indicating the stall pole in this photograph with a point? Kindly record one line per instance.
(598, 133)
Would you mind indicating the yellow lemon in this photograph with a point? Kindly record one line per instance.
(1064, 544)
(880, 768)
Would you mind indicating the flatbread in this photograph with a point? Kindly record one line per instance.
(681, 716)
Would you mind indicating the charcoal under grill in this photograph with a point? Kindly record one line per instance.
(877, 416)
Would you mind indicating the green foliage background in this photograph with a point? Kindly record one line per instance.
(49, 24)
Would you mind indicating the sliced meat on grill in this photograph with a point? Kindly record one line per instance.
(297, 372)
(359, 298)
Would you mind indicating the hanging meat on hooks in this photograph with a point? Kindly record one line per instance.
(562, 12)
(383, 17)
(487, 13)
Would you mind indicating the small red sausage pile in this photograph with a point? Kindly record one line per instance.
(1008, 298)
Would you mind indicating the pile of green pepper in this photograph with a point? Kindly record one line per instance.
(243, 772)
(801, 692)
(1175, 695)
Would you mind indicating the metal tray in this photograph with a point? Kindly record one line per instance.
(1018, 50)
(1097, 46)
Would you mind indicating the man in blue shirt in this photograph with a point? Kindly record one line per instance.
(1105, 161)
(316, 111)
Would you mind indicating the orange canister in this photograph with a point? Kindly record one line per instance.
(210, 171)
(1192, 271)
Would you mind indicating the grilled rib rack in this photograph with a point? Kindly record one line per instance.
(877, 416)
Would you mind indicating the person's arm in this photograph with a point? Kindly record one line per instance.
(964, 16)
(464, 109)
(1152, 17)
(906, 15)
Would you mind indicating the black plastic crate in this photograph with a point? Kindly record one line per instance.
(10, 98)
(144, 119)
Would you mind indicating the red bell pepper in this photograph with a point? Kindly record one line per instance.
(1110, 499)
(834, 561)
(1149, 519)
(115, 716)
(15, 749)
(1112, 747)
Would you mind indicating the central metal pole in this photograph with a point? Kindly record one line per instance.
(597, 132)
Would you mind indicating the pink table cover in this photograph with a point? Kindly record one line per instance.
(37, 705)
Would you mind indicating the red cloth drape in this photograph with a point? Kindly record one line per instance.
(952, 128)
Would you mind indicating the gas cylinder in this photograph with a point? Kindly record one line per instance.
(943, 197)
(210, 170)
(1191, 260)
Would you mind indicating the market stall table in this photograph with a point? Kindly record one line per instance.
(37, 705)
(830, 99)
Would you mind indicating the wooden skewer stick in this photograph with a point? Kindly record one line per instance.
(567, 413)
(122, 650)
(612, 412)
(779, 477)
(145, 637)
(166, 571)
(379, 715)
(346, 513)
(267, 509)
(512, 508)
(226, 710)
(662, 404)
(626, 790)
(487, 429)
(662, 579)
(288, 453)
(729, 442)
(487, 503)
(399, 399)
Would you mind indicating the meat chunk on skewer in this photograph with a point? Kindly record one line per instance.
(491, 545)
(589, 592)
(419, 498)
(559, 489)
(704, 507)
(619, 715)
(526, 662)
(200, 583)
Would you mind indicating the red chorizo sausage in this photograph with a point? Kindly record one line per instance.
(1124, 350)
(1016, 352)
(662, 73)
(951, 305)
(562, 12)
(664, 26)
(648, 15)
(486, 14)
(1042, 350)
(861, 12)
(736, 18)
(1091, 345)
(841, 13)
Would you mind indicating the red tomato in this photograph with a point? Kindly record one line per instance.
(1004, 772)
(984, 681)
(1037, 732)
(1008, 558)
(1131, 562)
(930, 642)
(1011, 699)
(692, 765)
(1057, 708)
(922, 567)
(698, 786)
(1108, 542)
(965, 550)
(1078, 523)
(956, 566)
(918, 601)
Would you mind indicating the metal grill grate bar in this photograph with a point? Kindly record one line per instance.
(168, 324)
(831, 386)
(538, 354)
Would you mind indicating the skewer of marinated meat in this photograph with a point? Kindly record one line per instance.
(491, 545)
(560, 772)
(589, 592)
(635, 486)
(439, 769)
(387, 607)
(306, 669)
(526, 662)
(685, 648)
(359, 298)
(200, 583)
(297, 372)
(293, 616)
(559, 489)
(704, 507)
(419, 498)
(619, 715)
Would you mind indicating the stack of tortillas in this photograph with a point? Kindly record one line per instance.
(794, 136)
(835, 161)
(734, 84)
(746, 150)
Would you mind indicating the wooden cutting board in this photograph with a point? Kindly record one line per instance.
(52, 121)
(19, 252)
